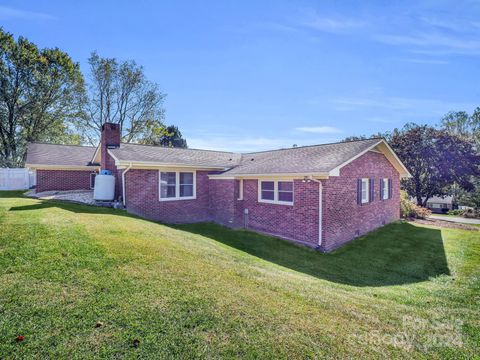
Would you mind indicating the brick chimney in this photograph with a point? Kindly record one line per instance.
(109, 139)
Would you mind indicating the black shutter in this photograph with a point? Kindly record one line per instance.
(359, 191)
(381, 189)
(372, 189)
(390, 188)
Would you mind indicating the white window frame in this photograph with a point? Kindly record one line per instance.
(386, 189)
(275, 192)
(177, 185)
(366, 182)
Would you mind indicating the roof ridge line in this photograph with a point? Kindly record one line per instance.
(178, 148)
(307, 146)
(45, 143)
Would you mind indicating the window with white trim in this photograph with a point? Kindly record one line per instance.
(267, 190)
(275, 192)
(385, 189)
(365, 186)
(285, 191)
(186, 184)
(177, 185)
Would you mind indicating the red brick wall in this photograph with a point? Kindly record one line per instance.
(110, 136)
(240, 219)
(223, 201)
(63, 180)
(343, 218)
(142, 199)
(297, 222)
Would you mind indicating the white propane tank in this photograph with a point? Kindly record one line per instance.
(104, 188)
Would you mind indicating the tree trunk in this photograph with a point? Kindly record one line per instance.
(424, 204)
(419, 199)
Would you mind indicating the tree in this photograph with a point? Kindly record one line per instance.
(466, 126)
(436, 159)
(169, 136)
(41, 90)
(472, 198)
(357, 138)
(461, 124)
(385, 135)
(120, 93)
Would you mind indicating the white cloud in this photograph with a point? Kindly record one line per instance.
(309, 18)
(380, 120)
(448, 44)
(425, 61)
(237, 144)
(434, 35)
(229, 141)
(319, 129)
(12, 13)
(399, 105)
(280, 27)
(459, 25)
(333, 25)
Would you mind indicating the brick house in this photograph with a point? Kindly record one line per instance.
(322, 196)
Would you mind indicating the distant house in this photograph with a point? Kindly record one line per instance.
(440, 204)
(321, 196)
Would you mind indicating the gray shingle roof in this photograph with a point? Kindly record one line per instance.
(306, 159)
(159, 154)
(66, 155)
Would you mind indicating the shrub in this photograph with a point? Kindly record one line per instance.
(471, 213)
(455, 212)
(421, 212)
(408, 209)
(406, 206)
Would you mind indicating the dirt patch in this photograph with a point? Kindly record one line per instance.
(444, 224)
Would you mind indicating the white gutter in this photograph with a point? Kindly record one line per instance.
(61, 167)
(123, 183)
(271, 175)
(320, 212)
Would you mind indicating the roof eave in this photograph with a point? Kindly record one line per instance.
(97, 154)
(227, 176)
(61, 167)
(393, 158)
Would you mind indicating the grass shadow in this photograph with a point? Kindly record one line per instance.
(9, 194)
(68, 206)
(399, 253)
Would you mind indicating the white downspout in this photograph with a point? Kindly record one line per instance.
(123, 183)
(320, 212)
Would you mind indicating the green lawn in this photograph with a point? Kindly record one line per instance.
(204, 291)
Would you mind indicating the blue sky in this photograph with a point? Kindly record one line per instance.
(252, 75)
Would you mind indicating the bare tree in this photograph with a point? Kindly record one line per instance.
(120, 93)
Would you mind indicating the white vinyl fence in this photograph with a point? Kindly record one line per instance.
(16, 179)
